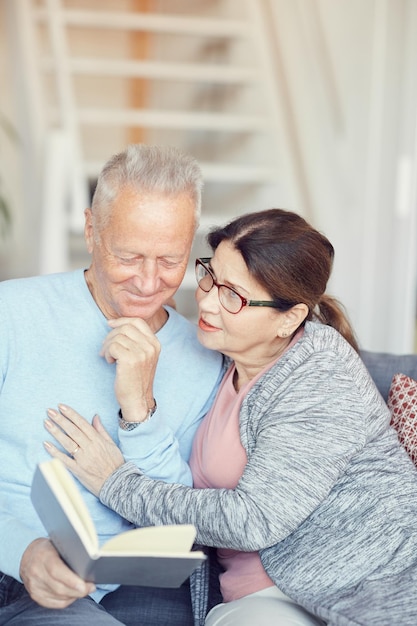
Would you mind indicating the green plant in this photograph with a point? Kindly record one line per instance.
(5, 214)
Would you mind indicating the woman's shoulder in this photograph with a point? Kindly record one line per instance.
(320, 352)
(324, 343)
(323, 336)
(322, 367)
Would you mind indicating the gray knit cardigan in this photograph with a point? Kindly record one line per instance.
(328, 495)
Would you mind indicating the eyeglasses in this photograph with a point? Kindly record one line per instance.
(230, 299)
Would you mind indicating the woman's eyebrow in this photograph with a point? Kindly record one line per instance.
(237, 288)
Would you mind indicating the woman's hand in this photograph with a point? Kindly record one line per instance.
(92, 454)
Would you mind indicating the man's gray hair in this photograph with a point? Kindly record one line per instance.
(161, 169)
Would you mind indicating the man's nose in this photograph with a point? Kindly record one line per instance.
(147, 276)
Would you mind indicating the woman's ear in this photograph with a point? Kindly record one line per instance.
(292, 319)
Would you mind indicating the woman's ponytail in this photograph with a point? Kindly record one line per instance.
(331, 312)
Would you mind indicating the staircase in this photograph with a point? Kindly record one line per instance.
(199, 74)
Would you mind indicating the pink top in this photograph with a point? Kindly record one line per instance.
(217, 461)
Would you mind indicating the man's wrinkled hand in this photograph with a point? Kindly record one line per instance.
(48, 580)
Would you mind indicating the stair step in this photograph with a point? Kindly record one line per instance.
(236, 173)
(228, 115)
(213, 172)
(77, 242)
(146, 118)
(150, 22)
(214, 73)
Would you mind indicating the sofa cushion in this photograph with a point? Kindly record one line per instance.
(402, 402)
(383, 366)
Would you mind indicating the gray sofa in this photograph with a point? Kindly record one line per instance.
(382, 367)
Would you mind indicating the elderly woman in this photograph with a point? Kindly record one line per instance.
(300, 482)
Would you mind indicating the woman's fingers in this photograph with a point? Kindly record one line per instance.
(98, 426)
(68, 427)
(92, 459)
(57, 454)
(72, 430)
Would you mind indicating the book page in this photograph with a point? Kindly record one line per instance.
(66, 491)
(152, 539)
(158, 556)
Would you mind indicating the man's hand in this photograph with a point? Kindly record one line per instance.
(135, 349)
(47, 579)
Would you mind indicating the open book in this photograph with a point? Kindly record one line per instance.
(157, 556)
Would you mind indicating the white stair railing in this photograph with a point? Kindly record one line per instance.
(244, 136)
(56, 196)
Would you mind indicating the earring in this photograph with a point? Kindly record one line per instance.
(284, 334)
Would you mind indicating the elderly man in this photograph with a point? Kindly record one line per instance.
(87, 338)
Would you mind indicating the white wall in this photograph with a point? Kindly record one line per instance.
(350, 73)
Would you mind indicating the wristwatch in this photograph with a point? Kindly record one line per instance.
(124, 425)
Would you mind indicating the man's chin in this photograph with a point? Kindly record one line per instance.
(145, 308)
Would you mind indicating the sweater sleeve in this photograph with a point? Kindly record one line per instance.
(304, 431)
(186, 382)
(161, 452)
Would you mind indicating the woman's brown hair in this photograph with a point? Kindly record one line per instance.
(290, 259)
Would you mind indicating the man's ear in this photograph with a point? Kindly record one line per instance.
(88, 230)
(292, 319)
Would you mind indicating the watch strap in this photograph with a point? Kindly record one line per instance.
(125, 425)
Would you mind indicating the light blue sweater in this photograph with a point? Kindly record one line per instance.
(51, 332)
